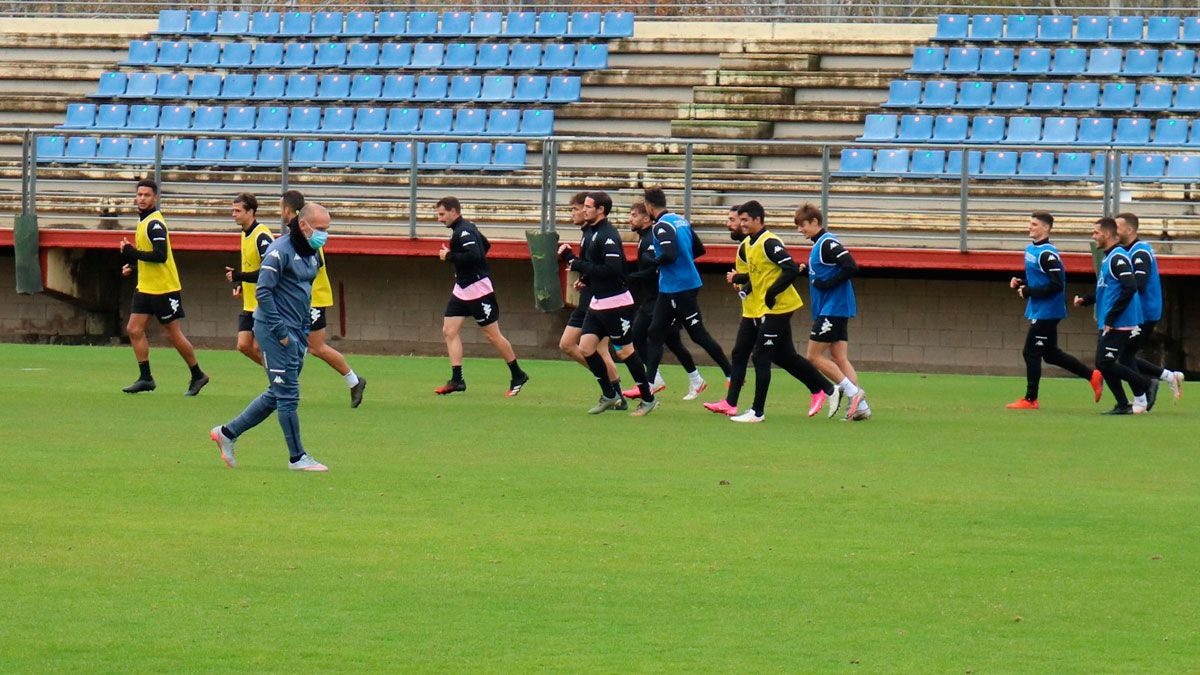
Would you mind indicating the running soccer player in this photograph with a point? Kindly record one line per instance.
(830, 269)
(158, 291)
(472, 296)
(256, 238)
(676, 248)
(1145, 271)
(610, 311)
(747, 333)
(281, 325)
(322, 299)
(569, 342)
(643, 282)
(1118, 315)
(1044, 288)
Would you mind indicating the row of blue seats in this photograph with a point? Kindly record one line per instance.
(390, 55)
(338, 87)
(1115, 96)
(463, 122)
(240, 152)
(1052, 29)
(1029, 165)
(1030, 130)
(1100, 62)
(392, 24)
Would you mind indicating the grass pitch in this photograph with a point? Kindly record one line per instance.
(475, 532)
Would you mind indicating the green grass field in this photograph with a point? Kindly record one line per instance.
(475, 532)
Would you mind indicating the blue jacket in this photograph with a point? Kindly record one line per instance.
(285, 289)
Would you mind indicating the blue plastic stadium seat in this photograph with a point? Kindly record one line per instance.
(492, 57)
(80, 116)
(237, 86)
(264, 24)
(398, 88)
(1020, 28)
(1187, 98)
(464, 88)
(1036, 164)
(1125, 29)
(530, 88)
(391, 24)
(1091, 29)
(1011, 95)
(403, 154)
(552, 24)
(974, 95)
(591, 57)
(999, 164)
(1117, 96)
(1106, 61)
(1069, 61)
(1023, 130)
(330, 55)
(426, 55)
(333, 87)
(558, 57)
(362, 55)
(950, 128)
(474, 155)
(201, 22)
(141, 85)
(172, 54)
(341, 153)
(80, 149)
(1170, 131)
(563, 89)
(1033, 61)
(233, 23)
(1132, 131)
(307, 153)
(891, 162)
(143, 117)
(269, 87)
(204, 86)
(928, 60)
(422, 24)
(1178, 63)
(242, 152)
(520, 24)
(1183, 169)
(1082, 96)
(178, 150)
(1154, 97)
(879, 128)
(370, 120)
(962, 60)
(460, 56)
(1162, 30)
(915, 128)
(296, 24)
(584, 25)
(172, 22)
(403, 120)
(1053, 28)
(954, 163)
(111, 84)
(996, 60)
(443, 155)
(1060, 130)
(1095, 131)
(455, 24)
(327, 24)
(436, 121)
(1046, 96)
(365, 88)
(928, 164)
(395, 55)
(300, 87)
(487, 24)
(1146, 168)
(502, 122)
(299, 55)
(210, 151)
(241, 118)
(175, 118)
(270, 118)
(986, 27)
(112, 150)
(338, 120)
(374, 154)
(141, 53)
(939, 94)
(904, 94)
(204, 54)
(358, 24)
(855, 162)
(141, 150)
(1073, 166)
(951, 27)
(469, 122)
(525, 56)
(208, 118)
(431, 88)
(271, 152)
(112, 116)
(235, 55)
(1140, 62)
(537, 123)
(508, 157)
(267, 55)
(616, 25)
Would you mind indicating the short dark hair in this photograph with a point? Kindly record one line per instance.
(1130, 218)
(638, 206)
(294, 200)
(655, 197)
(1108, 225)
(753, 209)
(147, 183)
(450, 204)
(734, 208)
(807, 212)
(579, 198)
(247, 200)
(1043, 216)
(602, 200)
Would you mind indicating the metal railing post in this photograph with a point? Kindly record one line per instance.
(412, 192)
(1107, 183)
(1118, 161)
(26, 141)
(158, 160)
(543, 200)
(825, 183)
(963, 198)
(31, 157)
(553, 185)
(285, 158)
(687, 183)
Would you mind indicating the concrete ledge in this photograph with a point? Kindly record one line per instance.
(762, 30)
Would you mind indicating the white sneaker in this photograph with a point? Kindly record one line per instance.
(1176, 384)
(834, 402)
(225, 445)
(748, 417)
(695, 389)
(307, 463)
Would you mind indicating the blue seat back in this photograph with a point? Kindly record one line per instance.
(110, 150)
(141, 85)
(1095, 131)
(1187, 98)
(374, 153)
(1033, 61)
(492, 56)
(403, 120)
(142, 149)
(205, 85)
(915, 128)
(928, 163)
(79, 116)
(464, 87)
(334, 87)
(1023, 129)
(202, 22)
(370, 120)
(1170, 131)
(398, 88)
(961, 60)
(270, 118)
(431, 87)
(327, 24)
(422, 24)
(558, 57)
(112, 116)
(996, 61)
(904, 94)
(241, 118)
(392, 24)
(950, 128)
(1091, 29)
(616, 25)
(1054, 28)
(1011, 95)
(243, 151)
(111, 84)
(178, 150)
(1132, 131)
(525, 56)
(442, 155)
(1139, 62)
(487, 24)
(1046, 96)
(264, 24)
(563, 89)
(428, 55)
(879, 128)
(1125, 29)
(269, 86)
(296, 24)
(1069, 61)
(175, 117)
(331, 55)
(204, 54)
(299, 54)
(530, 88)
(307, 153)
(552, 24)
(520, 24)
(338, 120)
(300, 86)
(173, 53)
(172, 85)
(503, 122)
(954, 163)
(460, 55)
(233, 22)
(891, 162)
(365, 87)
(1036, 164)
(986, 27)
(856, 161)
(1106, 61)
(1183, 168)
(210, 150)
(142, 53)
(509, 156)
(951, 27)
(359, 24)
(436, 121)
(474, 155)
(939, 94)
(537, 123)
(1073, 165)
(928, 60)
(1154, 96)
(999, 164)
(455, 24)
(1060, 130)
(80, 148)
(237, 86)
(469, 122)
(236, 55)
(1162, 30)
(208, 118)
(341, 153)
(1082, 96)
(395, 55)
(1117, 96)
(172, 21)
(1020, 28)
(362, 55)
(404, 153)
(267, 55)
(591, 57)
(1178, 62)
(585, 24)
(143, 116)
(1146, 167)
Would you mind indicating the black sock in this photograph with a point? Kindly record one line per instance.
(226, 432)
(144, 369)
(294, 459)
(196, 372)
(616, 385)
(456, 374)
(638, 370)
(596, 365)
(515, 369)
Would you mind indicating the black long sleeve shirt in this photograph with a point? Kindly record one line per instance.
(156, 230)
(1051, 265)
(468, 252)
(602, 261)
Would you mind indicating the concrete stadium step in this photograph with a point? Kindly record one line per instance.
(699, 161)
(723, 129)
(796, 62)
(744, 95)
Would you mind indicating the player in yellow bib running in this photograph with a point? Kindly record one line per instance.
(255, 239)
(158, 291)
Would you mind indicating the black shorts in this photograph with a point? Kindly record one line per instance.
(1042, 338)
(317, 314)
(484, 310)
(580, 312)
(614, 324)
(830, 329)
(166, 307)
(246, 322)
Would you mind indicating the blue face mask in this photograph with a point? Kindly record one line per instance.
(318, 239)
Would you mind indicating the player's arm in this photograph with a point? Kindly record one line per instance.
(668, 250)
(262, 244)
(609, 265)
(157, 233)
(647, 265)
(1124, 273)
(697, 245)
(832, 252)
(1141, 268)
(269, 275)
(1051, 264)
(470, 249)
(788, 270)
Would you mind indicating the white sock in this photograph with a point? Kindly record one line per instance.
(350, 378)
(658, 378)
(848, 388)
(1166, 376)
(695, 378)
(1140, 400)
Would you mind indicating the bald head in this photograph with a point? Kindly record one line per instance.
(315, 216)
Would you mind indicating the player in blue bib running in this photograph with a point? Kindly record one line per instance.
(1145, 272)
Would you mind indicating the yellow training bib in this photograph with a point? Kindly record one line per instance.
(322, 294)
(763, 274)
(251, 261)
(155, 278)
